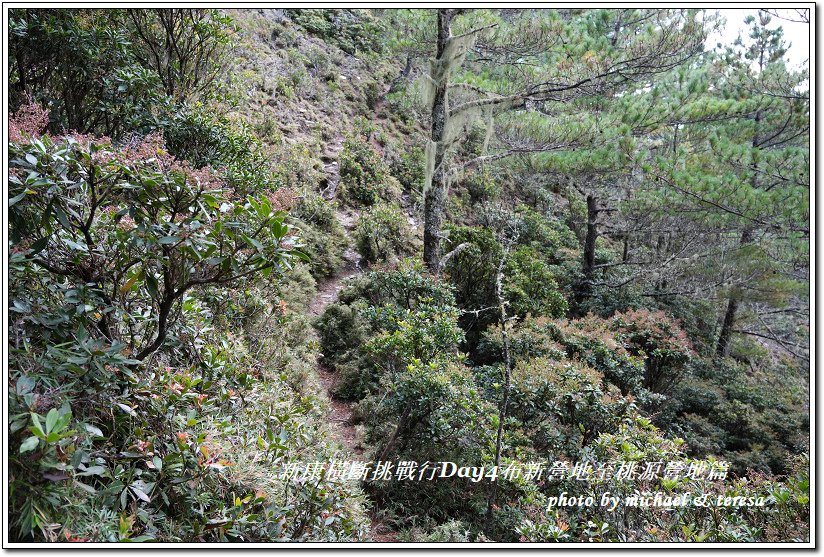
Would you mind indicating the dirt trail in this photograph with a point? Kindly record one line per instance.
(341, 413)
(331, 168)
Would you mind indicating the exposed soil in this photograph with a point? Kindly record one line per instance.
(341, 415)
(341, 412)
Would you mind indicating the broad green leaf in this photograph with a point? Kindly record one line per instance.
(151, 285)
(29, 444)
(94, 430)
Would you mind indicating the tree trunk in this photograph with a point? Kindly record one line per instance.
(435, 186)
(588, 265)
(401, 425)
(502, 411)
(723, 347)
(397, 83)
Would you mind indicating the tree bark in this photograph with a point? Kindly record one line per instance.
(436, 187)
(588, 264)
(397, 83)
(499, 291)
(723, 346)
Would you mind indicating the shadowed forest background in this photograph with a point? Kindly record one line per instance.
(243, 240)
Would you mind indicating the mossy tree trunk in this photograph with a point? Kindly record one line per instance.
(435, 188)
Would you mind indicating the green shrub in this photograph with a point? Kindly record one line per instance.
(323, 238)
(472, 273)
(136, 391)
(78, 63)
(756, 421)
(408, 167)
(382, 234)
(429, 413)
(384, 321)
(784, 516)
(452, 531)
(530, 286)
(195, 134)
(110, 72)
(342, 331)
(353, 31)
(364, 178)
(373, 94)
(482, 187)
(659, 340)
(564, 406)
(407, 285)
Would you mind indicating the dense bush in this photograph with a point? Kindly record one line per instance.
(563, 406)
(78, 64)
(482, 187)
(529, 285)
(641, 353)
(756, 421)
(165, 372)
(395, 334)
(138, 411)
(110, 71)
(472, 273)
(382, 234)
(408, 167)
(198, 135)
(364, 178)
(185, 47)
(785, 515)
(353, 31)
(659, 340)
(323, 238)
(384, 320)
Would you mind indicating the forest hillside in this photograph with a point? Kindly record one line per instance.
(431, 275)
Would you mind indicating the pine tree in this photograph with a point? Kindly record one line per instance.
(490, 64)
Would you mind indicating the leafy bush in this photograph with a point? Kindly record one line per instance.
(607, 346)
(323, 238)
(75, 62)
(185, 47)
(364, 178)
(353, 31)
(756, 421)
(564, 406)
(472, 273)
(134, 228)
(195, 134)
(482, 187)
(530, 286)
(342, 331)
(452, 531)
(408, 167)
(406, 285)
(382, 234)
(110, 72)
(137, 409)
(384, 321)
(637, 440)
(659, 340)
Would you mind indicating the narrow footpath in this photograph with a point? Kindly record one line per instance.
(341, 414)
